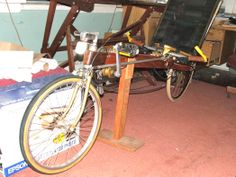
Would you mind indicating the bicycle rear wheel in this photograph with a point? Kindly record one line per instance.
(48, 143)
(178, 82)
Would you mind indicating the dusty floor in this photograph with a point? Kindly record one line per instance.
(193, 137)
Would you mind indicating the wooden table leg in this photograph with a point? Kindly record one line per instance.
(117, 138)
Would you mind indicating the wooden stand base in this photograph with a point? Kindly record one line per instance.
(116, 137)
(125, 142)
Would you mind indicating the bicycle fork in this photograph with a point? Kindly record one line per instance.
(87, 75)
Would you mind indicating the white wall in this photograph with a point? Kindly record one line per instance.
(230, 6)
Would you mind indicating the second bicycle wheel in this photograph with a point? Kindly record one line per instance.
(49, 143)
(178, 82)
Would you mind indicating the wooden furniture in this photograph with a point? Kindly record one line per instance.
(212, 50)
(67, 28)
(219, 43)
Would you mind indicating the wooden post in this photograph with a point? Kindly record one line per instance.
(122, 101)
(69, 47)
(117, 138)
(48, 27)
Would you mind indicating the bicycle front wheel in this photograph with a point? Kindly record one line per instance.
(48, 143)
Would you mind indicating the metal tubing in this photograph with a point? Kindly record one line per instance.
(168, 63)
(129, 63)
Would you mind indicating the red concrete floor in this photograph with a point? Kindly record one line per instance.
(193, 137)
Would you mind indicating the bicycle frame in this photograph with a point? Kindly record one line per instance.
(87, 74)
(87, 70)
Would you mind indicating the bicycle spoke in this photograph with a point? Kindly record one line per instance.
(51, 143)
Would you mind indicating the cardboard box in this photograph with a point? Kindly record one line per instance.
(14, 99)
(8, 46)
(16, 62)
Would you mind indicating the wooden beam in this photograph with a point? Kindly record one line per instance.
(70, 55)
(122, 100)
(117, 138)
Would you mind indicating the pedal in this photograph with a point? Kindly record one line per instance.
(128, 50)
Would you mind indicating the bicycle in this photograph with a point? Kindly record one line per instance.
(62, 121)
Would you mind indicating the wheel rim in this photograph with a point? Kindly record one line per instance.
(178, 82)
(51, 146)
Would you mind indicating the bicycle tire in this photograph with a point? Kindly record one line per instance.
(177, 82)
(59, 154)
